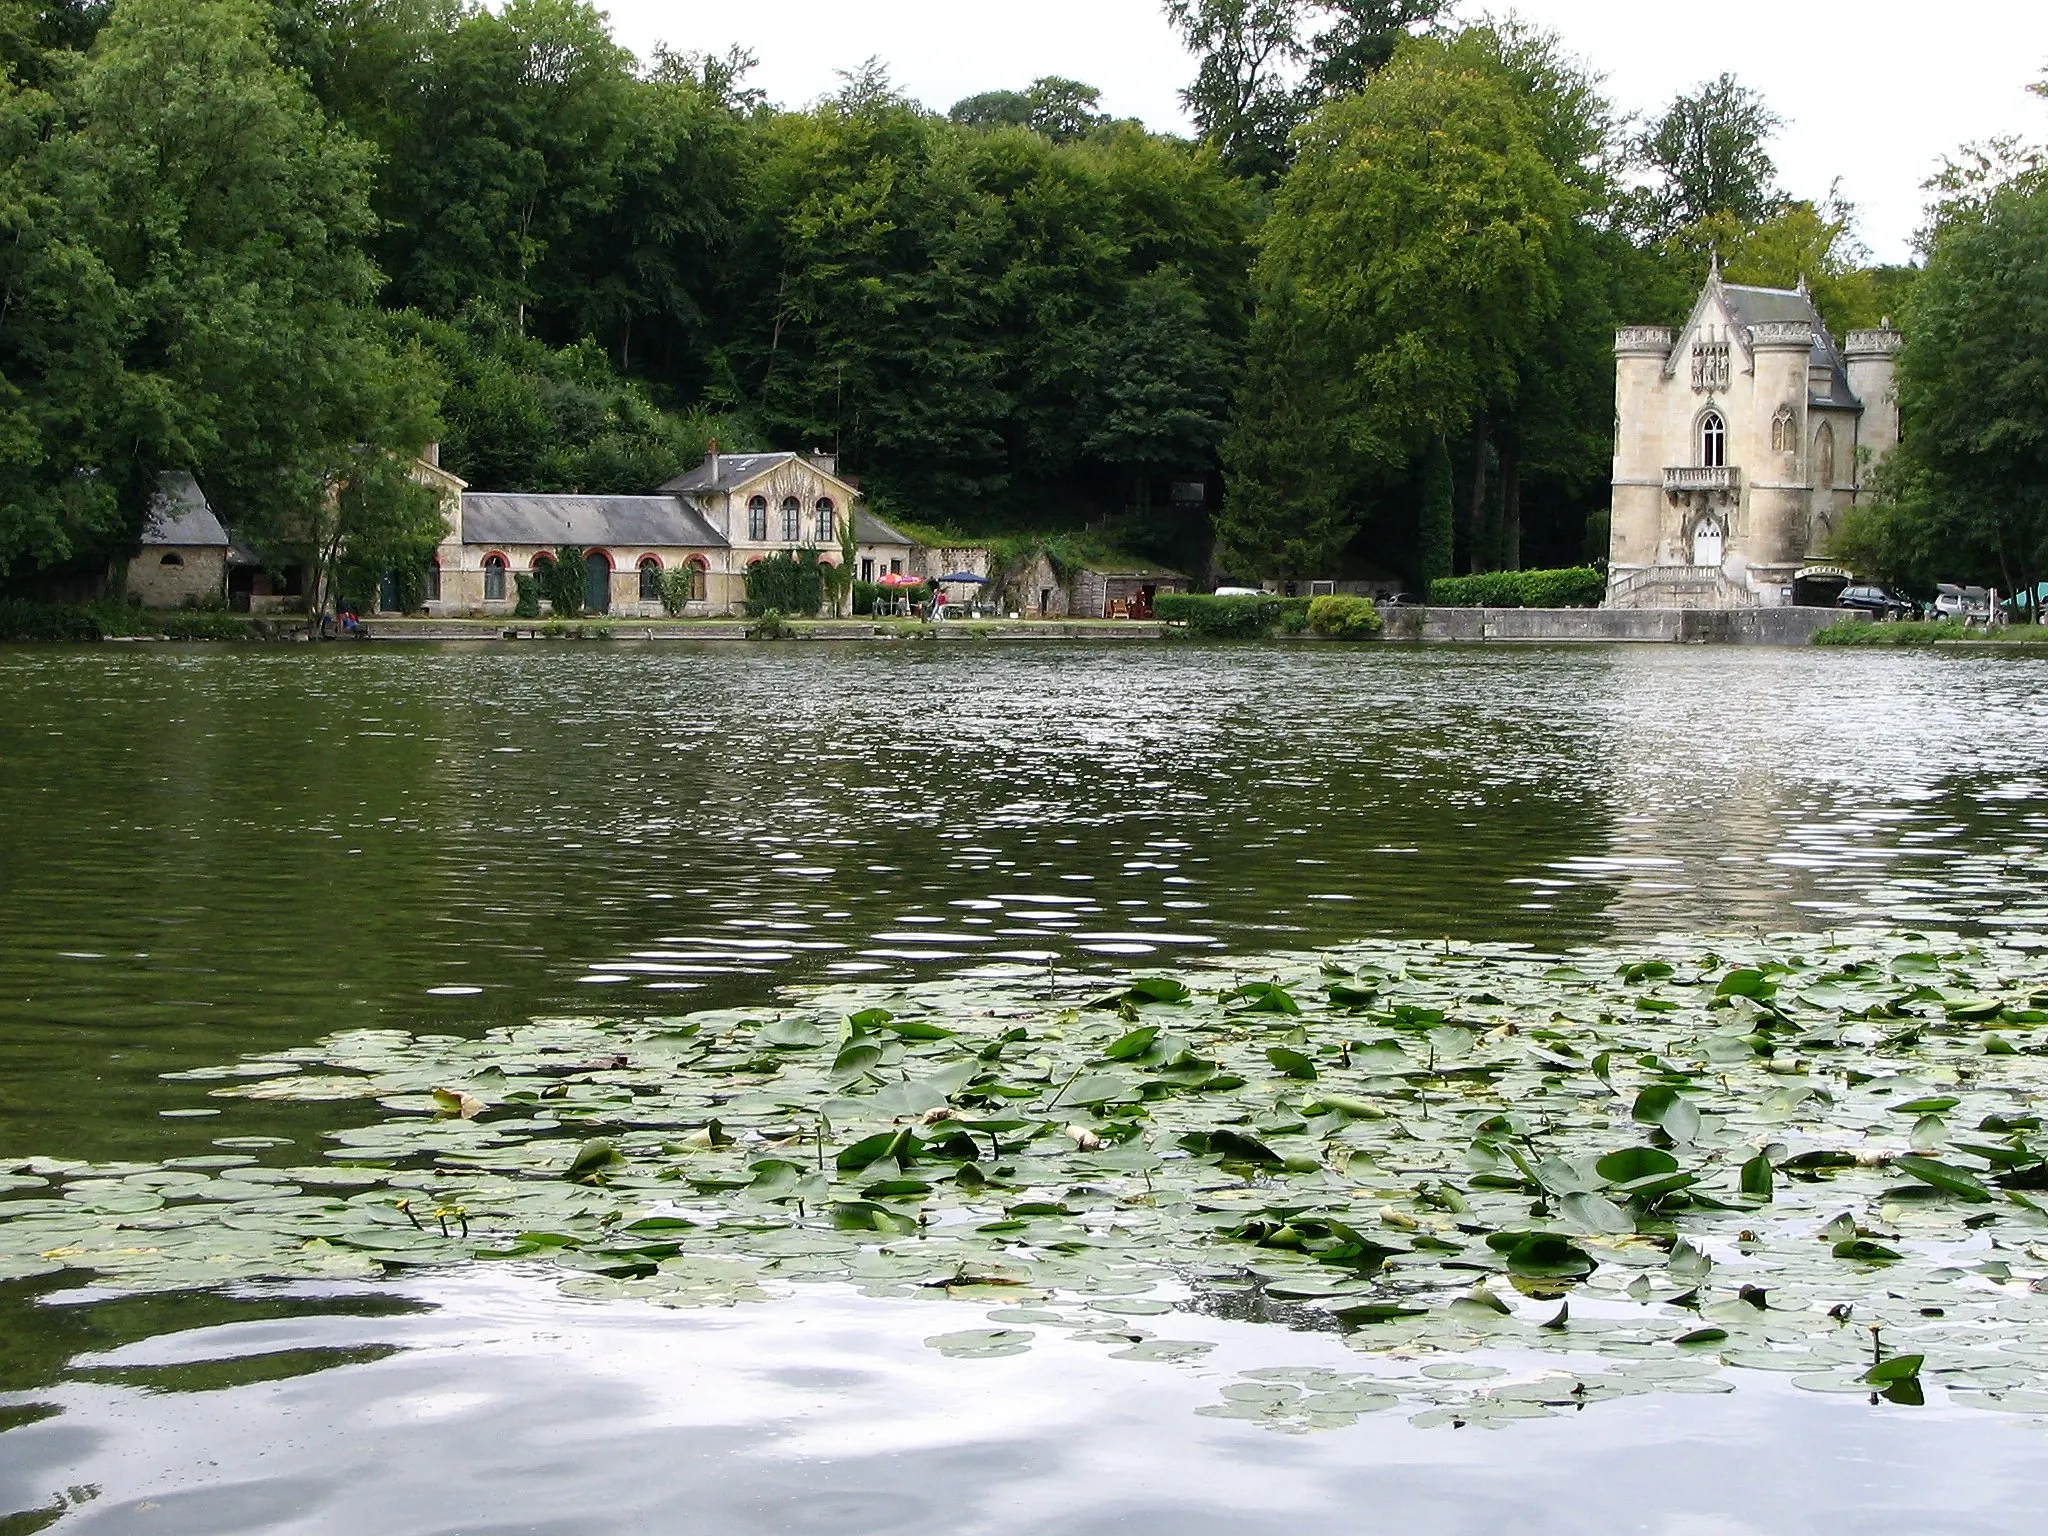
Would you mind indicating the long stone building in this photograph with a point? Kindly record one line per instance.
(714, 521)
(1740, 442)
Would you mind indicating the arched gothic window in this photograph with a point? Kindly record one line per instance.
(757, 519)
(1713, 441)
(1784, 431)
(494, 578)
(699, 587)
(650, 580)
(1824, 457)
(825, 530)
(792, 520)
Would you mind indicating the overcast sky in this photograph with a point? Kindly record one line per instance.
(1875, 91)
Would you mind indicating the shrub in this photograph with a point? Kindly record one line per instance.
(678, 591)
(1578, 587)
(561, 582)
(791, 582)
(527, 604)
(771, 626)
(96, 621)
(1294, 614)
(1344, 618)
(1227, 618)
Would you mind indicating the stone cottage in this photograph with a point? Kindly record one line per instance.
(184, 557)
(1740, 442)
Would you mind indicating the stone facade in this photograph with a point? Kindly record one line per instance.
(183, 561)
(716, 520)
(1740, 442)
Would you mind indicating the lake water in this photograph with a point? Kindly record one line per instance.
(205, 852)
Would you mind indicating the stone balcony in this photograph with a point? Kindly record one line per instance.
(1692, 478)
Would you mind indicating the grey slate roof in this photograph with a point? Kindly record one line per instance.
(179, 516)
(870, 529)
(646, 522)
(1766, 306)
(734, 469)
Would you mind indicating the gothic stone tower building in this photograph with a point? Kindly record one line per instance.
(1739, 444)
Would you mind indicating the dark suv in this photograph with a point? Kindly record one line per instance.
(1876, 602)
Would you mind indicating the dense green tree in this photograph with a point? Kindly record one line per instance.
(1060, 109)
(198, 297)
(1162, 383)
(519, 414)
(1407, 272)
(1965, 496)
(1266, 64)
(1710, 155)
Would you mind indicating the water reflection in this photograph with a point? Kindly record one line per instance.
(210, 850)
(503, 1411)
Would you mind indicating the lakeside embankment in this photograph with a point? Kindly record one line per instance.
(1404, 626)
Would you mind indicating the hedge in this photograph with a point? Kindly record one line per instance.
(1344, 618)
(1578, 587)
(1232, 618)
(21, 620)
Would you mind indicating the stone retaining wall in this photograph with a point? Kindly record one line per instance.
(1669, 626)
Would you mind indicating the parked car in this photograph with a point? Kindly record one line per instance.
(1973, 607)
(1877, 602)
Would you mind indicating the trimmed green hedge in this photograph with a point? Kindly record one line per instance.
(1578, 587)
(1344, 618)
(1863, 632)
(1232, 618)
(21, 620)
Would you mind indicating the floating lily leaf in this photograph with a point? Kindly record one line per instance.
(1898, 1368)
(592, 1159)
(1931, 1106)
(1943, 1176)
(1865, 1251)
(1633, 1163)
(1132, 1045)
(1292, 1063)
(1262, 997)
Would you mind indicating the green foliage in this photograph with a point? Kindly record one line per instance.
(1710, 155)
(23, 620)
(1912, 635)
(526, 603)
(195, 294)
(1062, 110)
(1228, 618)
(791, 582)
(1435, 536)
(561, 581)
(678, 590)
(521, 415)
(1965, 497)
(1395, 305)
(1580, 587)
(1344, 618)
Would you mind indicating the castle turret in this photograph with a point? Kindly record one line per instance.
(1640, 355)
(1871, 361)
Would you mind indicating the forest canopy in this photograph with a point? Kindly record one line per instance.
(1365, 314)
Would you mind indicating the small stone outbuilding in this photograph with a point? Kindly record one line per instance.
(184, 558)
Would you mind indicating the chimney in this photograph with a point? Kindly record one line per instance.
(711, 460)
(820, 459)
(431, 455)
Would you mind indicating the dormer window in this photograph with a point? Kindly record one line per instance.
(1713, 441)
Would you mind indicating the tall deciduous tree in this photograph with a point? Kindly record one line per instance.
(1407, 271)
(1967, 491)
(1710, 154)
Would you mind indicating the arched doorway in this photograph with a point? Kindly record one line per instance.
(597, 583)
(1708, 543)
